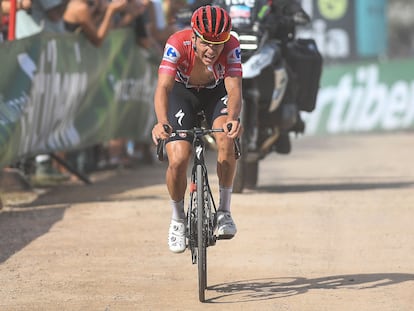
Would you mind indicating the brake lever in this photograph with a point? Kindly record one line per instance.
(160, 149)
(161, 145)
(237, 148)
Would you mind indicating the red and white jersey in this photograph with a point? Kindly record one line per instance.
(179, 56)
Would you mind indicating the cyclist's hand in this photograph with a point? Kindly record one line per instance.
(233, 129)
(159, 132)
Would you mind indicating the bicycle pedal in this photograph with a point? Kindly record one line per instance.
(212, 241)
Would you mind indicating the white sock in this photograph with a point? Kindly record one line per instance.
(225, 199)
(178, 210)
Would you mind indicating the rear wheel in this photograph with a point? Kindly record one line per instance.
(201, 235)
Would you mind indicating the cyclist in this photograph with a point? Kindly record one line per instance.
(200, 70)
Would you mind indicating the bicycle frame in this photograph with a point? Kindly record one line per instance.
(209, 203)
(201, 218)
(202, 211)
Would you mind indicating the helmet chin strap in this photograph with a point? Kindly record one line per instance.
(194, 45)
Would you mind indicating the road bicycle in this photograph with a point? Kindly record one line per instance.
(202, 212)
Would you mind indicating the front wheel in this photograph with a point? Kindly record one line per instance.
(201, 234)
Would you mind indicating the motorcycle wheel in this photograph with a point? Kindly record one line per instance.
(239, 177)
(251, 172)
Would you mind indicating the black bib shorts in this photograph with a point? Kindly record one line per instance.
(185, 104)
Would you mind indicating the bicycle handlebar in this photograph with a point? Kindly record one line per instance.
(197, 132)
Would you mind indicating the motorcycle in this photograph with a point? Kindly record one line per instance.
(280, 78)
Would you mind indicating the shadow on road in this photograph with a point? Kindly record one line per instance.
(24, 222)
(19, 228)
(103, 188)
(334, 186)
(274, 288)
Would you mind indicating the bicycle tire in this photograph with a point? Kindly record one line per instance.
(201, 235)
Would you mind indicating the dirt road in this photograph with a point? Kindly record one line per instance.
(330, 227)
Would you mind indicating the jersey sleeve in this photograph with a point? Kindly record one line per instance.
(170, 57)
(233, 58)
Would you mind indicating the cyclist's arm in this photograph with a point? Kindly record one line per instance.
(164, 86)
(234, 104)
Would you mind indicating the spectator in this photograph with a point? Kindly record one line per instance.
(94, 19)
(48, 14)
(148, 24)
(132, 11)
(136, 15)
(79, 15)
(1, 21)
(122, 151)
(157, 25)
(20, 5)
(25, 26)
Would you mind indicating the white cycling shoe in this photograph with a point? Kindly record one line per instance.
(176, 236)
(226, 228)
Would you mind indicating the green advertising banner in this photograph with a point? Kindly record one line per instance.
(363, 98)
(61, 93)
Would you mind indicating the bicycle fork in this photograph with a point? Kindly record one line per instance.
(192, 217)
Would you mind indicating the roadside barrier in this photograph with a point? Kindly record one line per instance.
(59, 92)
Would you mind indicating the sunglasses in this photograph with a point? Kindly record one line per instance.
(219, 39)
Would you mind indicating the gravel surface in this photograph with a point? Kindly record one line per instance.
(329, 227)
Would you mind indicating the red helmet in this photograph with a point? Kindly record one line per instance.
(212, 24)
